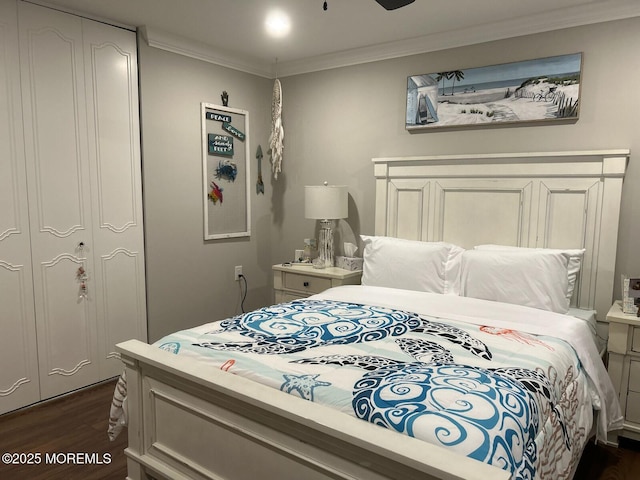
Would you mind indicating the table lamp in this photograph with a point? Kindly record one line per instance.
(325, 203)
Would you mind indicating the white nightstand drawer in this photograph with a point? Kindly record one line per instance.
(633, 407)
(635, 343)
(291, 282)
(282, 297)
(634, 376)
(624, 366)
(306, 283)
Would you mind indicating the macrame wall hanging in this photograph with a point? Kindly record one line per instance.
(276, 145)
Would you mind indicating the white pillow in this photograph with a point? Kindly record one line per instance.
(532, 278)
(412, 265)
(575, 261)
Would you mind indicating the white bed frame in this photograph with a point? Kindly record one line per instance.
(186, 422)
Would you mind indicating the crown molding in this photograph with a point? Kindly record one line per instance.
(559, 19)
(183, 46)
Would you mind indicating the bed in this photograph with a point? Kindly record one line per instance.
(223, 407)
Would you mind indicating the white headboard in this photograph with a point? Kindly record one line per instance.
(551, 199)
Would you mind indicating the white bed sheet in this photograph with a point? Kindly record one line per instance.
(590, 318)
(577, 332)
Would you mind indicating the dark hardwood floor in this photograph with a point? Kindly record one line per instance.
(77, 423)
(600, 462)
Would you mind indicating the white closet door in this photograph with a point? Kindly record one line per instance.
(114, 138)
(55, 119)
(18, 353)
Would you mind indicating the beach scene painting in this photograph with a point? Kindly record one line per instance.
(545, 89)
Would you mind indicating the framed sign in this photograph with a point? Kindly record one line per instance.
(541, 90)
(225, 172)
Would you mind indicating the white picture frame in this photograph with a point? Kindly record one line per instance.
(226, 172)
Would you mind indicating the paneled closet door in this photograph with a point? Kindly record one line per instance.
(18, 353)
(118, 242)
(55, 120)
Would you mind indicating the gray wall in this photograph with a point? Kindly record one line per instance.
(335, 122)
(191, 281)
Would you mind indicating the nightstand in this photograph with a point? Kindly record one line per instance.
(300, 281)
(624, 368)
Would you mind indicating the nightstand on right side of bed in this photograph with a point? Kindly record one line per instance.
(623, 348)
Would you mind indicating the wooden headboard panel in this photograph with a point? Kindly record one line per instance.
(551, 199)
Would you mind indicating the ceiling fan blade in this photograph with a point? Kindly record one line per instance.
(393, 4)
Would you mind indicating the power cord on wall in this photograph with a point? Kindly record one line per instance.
(246, 288)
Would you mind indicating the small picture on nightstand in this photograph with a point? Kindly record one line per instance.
(630, 295)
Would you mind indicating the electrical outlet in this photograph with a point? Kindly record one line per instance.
(238, 272)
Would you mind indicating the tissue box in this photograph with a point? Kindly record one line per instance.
(349, 263)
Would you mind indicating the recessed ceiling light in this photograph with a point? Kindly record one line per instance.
(278, 24)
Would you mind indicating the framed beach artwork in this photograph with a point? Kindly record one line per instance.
(541, 90)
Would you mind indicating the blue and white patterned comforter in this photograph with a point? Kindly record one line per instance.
(487, 388)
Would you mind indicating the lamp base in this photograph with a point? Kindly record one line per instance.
(325, 247)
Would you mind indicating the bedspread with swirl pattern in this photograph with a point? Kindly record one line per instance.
(508, 398)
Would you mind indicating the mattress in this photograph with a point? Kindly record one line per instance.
(508, 385)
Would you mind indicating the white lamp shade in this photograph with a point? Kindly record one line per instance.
(326, 202)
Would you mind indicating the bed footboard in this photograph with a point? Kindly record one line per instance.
(187, 423)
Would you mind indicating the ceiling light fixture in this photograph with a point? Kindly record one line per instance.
(393, 4)
(278, 24)
(387, 4)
